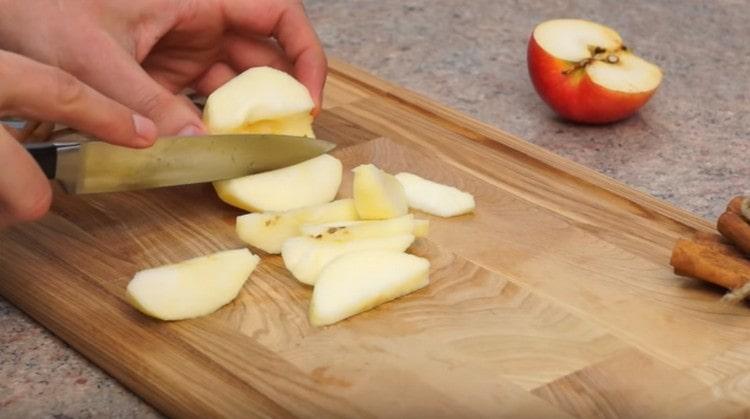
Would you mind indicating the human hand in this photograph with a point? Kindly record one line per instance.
(142, 53)
(36, 91)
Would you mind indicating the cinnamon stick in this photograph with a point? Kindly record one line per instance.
(711, 261)
(735, 205)
(734, 226)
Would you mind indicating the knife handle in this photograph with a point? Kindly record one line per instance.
(45, 155)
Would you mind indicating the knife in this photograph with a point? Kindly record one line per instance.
(85, 166)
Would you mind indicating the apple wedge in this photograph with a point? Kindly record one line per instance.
(435, 198)
(360, 281)
(268, 230)
(305, 257)
(260, 100)
(312, 182)
(585, 73)
(353, 230)
(377, 194)
(193, 288)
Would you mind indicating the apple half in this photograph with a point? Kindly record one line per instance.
(586, 74)
(360, 281)
(193, 288)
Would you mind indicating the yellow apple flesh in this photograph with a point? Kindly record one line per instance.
(260, 100)
(268, 230)
(192, 288)
(377, 194)
(352, 230)
(435, 198)
(305, 257)
(360, 281)
(312, 182)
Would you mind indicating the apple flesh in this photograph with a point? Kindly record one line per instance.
(269, 230)
(305, 257)
(360, 281)
(435, 198)
(192, 288)
(312, 182)
(585, 73)
(353, 230)
(377, 194)
(260, 100)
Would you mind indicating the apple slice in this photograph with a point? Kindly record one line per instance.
(585, 73)
(268, 230)
(305, 257)
(377, 194)
(260, 100)
(193, 288)
(353, 230)
(435, 198)
(360, 281)
(312, 182)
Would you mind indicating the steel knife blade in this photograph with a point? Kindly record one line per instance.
(85, 166)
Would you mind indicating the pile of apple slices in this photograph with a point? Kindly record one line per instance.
(352, 251)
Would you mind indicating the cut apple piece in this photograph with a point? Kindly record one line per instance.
(353, 230)
(268, 230)
(377, 194)
(585, 73)
(360, 281)
(435, 198)
(312, 182)
(192, 288)
(260, 100)
(305, 257)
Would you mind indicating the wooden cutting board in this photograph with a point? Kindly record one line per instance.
(554, 299)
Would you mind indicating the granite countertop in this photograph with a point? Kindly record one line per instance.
(687, 146)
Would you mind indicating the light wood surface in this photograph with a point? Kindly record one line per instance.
(555, 299)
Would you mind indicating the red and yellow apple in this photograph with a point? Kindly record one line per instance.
(585, 73)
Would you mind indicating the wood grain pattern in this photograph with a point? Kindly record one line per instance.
(555, 299)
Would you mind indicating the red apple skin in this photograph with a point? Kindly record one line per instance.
(575, 96)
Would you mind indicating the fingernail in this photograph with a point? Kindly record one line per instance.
(145, 128)
(190, 131)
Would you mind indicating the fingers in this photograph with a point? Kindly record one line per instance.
(36, 91)
(123, 79)
(25, 193)
(218, 74)
(286, 21)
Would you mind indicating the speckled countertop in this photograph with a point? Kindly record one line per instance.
(687, 146)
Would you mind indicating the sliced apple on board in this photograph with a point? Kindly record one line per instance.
(435, 198)
(377, 194)
(353, 230)
(305, 257)
(193, 288)
(360, 281)
(312, 182)
(269, 230)
(260, 100)
(585, 72)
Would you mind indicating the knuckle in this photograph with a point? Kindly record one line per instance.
(68, 91)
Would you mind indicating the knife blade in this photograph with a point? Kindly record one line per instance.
(92, 166)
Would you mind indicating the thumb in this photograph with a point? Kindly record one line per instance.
(25, 193)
